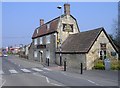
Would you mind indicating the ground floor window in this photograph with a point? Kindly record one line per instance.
(35, 53)
(48, 54)
(102, 54)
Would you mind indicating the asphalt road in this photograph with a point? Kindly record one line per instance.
(18, 72)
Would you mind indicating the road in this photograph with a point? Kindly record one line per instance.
(18, 72)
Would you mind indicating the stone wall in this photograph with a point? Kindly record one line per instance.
(73, 60)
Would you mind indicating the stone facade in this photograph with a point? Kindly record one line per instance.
(67, 20)
(94, 52)
(73, 60)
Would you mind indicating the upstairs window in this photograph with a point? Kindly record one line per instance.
(48, 26)
(47, 39)
(41, 40)
(37, 30)
(35, 41)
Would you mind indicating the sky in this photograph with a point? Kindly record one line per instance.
(19, 19)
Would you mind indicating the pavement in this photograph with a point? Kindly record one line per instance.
(21, 72)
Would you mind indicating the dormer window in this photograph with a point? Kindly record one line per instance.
(48, 26)
(35, 41)
(37, 30)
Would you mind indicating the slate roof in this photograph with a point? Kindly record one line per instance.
(82, 42)
(42, 30)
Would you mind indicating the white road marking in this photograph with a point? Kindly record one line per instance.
(13, 71)
(81, 78)
(38, 75)
(55, 84)
(47, 69)
(47, 80)
(1, 72)
(25, 70)
(92, 82)
(36, 69)
(51, 83)
(4, 81)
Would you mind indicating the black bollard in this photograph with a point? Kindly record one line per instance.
(60, 60)
(81, 68)
(64, 65)
(48, 61)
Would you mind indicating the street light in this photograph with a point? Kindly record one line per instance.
(60, 7)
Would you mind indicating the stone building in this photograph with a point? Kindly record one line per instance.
(62, 36)
(46, 38)
(86, 47)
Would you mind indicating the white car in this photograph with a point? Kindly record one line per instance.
(5, 55)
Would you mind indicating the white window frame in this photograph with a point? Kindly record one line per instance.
(35, 53)
(35, 41)
(48, 39)
(48, 26)
(37, 30)
(48, 54)
(41, 40)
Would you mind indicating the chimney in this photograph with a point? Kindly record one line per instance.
(41, 22)
(67, 9)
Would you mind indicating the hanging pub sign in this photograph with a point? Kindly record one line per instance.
(68, 27)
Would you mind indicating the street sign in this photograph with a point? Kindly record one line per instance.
(107, 64)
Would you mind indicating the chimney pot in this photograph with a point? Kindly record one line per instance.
(41, 22)
(67, 9)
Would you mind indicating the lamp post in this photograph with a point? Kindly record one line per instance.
(60, 7)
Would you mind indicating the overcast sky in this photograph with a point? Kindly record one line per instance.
(20, 19)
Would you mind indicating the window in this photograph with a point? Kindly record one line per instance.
(35, 53)
(113, 53)
(48, 39)
(37, 30)
(48, 54)
(35, 41)
(102, 50)
(48, 26)
(41, 40)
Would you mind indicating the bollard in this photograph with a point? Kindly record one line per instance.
(81, 68)
(64, 65)
(48, 61)
(60, 60)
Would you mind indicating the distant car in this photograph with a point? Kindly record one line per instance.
(5, 55)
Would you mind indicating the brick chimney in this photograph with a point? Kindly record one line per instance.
(41, 22)
(67, 9)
